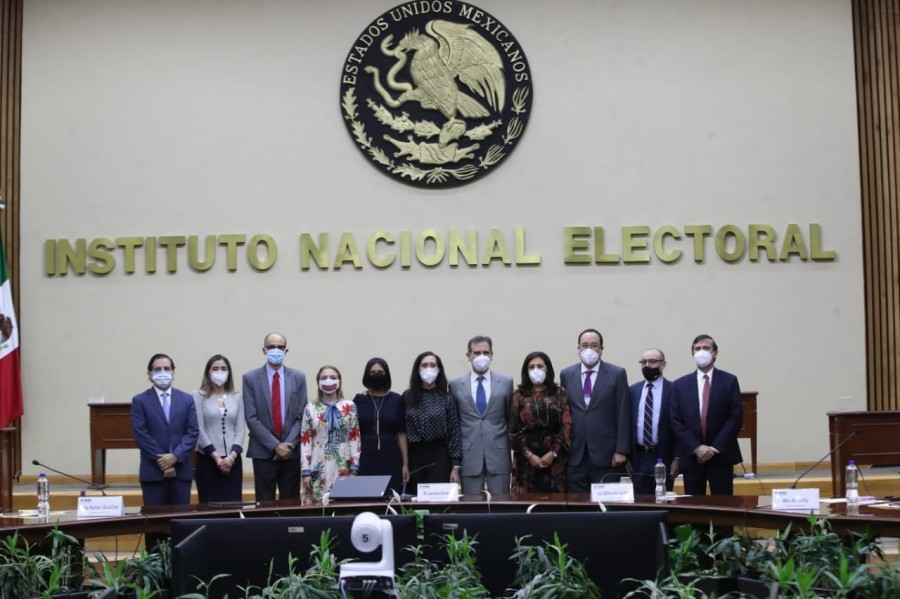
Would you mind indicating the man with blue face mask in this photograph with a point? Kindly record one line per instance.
(707, 415)
(482, 397)
(164, 425)
(274, 398)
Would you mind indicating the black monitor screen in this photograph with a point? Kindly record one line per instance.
(245, 548)
(613, 546)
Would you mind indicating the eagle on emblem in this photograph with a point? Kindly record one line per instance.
(6, 327)
(446, 53)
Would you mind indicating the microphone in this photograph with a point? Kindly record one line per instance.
(90, 485)
(403, 494)
(829, 454)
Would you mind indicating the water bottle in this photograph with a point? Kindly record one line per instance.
(659, 473)
(852, 477)
(43, 495)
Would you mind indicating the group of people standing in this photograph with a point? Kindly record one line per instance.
(479, 429)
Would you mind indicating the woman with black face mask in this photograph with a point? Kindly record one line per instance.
(382, 425)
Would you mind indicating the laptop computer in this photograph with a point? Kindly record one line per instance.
(360, 487)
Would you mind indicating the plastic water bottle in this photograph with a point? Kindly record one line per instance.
(852, 477)
(43, 495)
(659, 473)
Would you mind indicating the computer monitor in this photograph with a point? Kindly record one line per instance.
(613, 546)
(246, 547)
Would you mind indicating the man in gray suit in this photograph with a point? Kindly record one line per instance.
(274, 399)
(483, 397)
(602, 430)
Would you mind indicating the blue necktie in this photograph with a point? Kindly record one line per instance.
(481, 396)
(165, 398)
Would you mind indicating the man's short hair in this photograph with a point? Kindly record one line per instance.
(595, 331)
(704, 337)
(480, 339)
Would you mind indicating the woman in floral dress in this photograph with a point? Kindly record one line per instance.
(329, 436)
(540, 428)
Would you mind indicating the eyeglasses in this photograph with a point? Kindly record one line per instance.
(594, 346)
(649, 362)
(276, 347)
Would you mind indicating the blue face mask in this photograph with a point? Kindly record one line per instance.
(161, 379)
(275, 356)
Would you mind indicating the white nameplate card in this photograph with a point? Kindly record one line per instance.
(795, 499)
(612, 493)
(437, 492)
(100, 507)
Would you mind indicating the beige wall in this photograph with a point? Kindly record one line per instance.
(207, 117)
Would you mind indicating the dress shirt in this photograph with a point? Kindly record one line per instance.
(486, 383)
(159, 393)
(270, 372)
(657, 386)
(700, 375)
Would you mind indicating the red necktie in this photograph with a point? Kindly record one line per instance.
(276, 404)
(705, 410)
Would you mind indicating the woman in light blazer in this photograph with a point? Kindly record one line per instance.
(220, 416)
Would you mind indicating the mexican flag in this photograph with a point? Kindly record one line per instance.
(10, 373)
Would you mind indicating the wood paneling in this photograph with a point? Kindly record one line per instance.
(10, 144)
(876, 24)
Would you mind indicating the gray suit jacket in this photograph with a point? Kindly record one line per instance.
(605, 426)
(212, 437)
(484, 439)
(258, 411)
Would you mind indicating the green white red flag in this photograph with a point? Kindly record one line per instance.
(10, 371)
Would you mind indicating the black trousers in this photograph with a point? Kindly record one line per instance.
(429, 462)
(281, 475)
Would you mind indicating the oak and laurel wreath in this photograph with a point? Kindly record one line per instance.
(439, 174)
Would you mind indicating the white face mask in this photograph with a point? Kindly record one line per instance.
(537, 375)
(703, 358)
(481, 363)
(161, 379)
(589, 356)
(428, 375)
(329, 384)
(218, 377)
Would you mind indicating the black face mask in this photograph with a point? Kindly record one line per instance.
(377, 381)
(651, 374)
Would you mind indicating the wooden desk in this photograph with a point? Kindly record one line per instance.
(110, 429)
(741, 510)
(748, 430)
(870, 438)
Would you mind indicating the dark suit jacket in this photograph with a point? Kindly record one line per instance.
(258, 411)
(665, 441)
(723, 421)
(606, 425)
(155, 436)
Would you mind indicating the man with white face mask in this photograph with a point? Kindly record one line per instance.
(601, 416)
(706, 417)
(164, 425)
(483, 397)
(274, 398)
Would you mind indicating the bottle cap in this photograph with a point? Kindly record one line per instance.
(853, 462)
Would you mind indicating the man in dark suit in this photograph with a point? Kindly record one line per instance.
(653, 438)
(601, 416)
(706, 417)
(164, 424)
(483, 397)
(274, 400)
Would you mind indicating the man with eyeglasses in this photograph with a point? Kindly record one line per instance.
(601, 416)
(653, 438)
(274, 398)
(707, 415)
(164, 425)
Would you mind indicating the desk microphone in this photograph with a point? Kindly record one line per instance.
(90, 485)
(829, 454)
(403, 494)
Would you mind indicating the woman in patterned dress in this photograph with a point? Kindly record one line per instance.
(329, 436)
(540, 428)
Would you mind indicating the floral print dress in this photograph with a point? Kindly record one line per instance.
(327, 454)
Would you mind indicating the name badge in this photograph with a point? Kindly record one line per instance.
(437, 492)
(612, 492)
(796, 500)
(100, 507)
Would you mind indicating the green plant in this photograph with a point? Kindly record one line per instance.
(27, 572)
(548, 571)
(458, 578)
(670, 587)
(144, 575)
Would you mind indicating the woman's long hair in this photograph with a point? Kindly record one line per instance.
(415, 391)
(206, 386)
